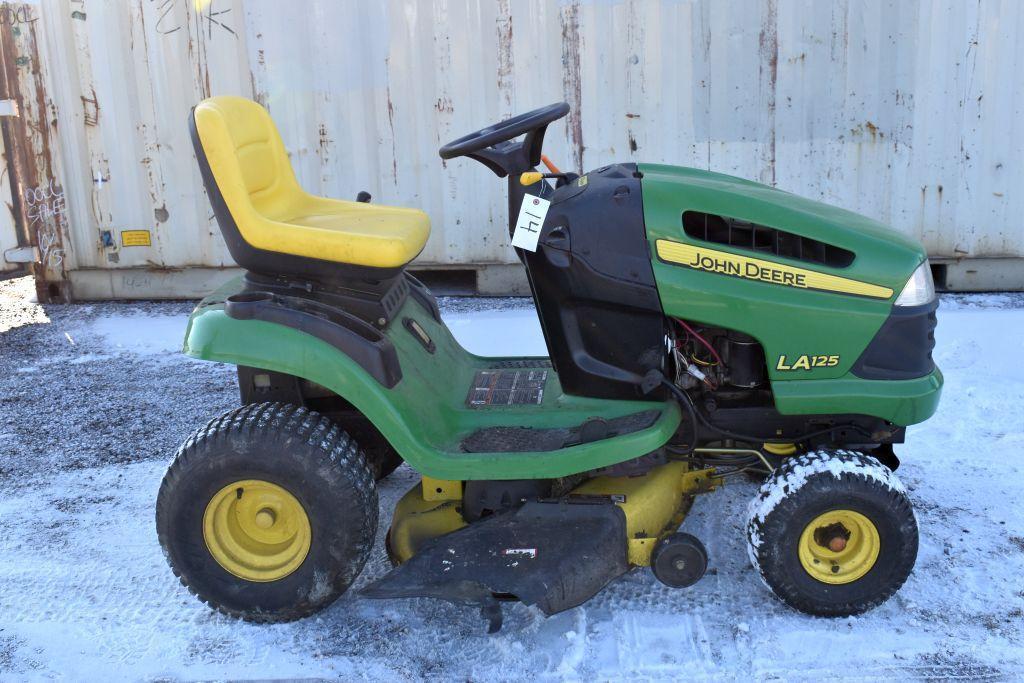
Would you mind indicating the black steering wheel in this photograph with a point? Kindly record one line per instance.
(481, 145)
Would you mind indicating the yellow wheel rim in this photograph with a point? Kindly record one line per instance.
(839, 547)
(256, 530)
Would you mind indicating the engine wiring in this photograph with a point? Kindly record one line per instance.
(697, 363)
(687, 360)
(693, 333)
(727, 462)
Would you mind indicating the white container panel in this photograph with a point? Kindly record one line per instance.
(909, 112)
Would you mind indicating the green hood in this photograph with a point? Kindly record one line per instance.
(884, 256)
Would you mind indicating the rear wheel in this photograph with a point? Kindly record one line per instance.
(832, 533)
(268, 513)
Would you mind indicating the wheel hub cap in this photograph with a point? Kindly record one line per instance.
(256, 530)
(839, 546)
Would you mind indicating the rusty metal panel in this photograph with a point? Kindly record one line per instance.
(32, 162)
(908, 112)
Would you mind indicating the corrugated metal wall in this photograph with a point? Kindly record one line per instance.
(909, 112)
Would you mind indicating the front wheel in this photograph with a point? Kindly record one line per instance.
(832, 533)
(268, 513)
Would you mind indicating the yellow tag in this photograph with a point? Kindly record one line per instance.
(136, 238)
(582, 181)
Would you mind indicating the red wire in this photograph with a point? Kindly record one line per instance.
(702, 341)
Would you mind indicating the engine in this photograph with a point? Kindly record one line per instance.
(721, 365)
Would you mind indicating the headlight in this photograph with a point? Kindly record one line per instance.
(920, 289)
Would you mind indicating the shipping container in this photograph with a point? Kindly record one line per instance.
(909, 112)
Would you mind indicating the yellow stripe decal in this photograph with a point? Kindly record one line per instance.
(711, 260)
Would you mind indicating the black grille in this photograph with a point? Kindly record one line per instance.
(759, 238)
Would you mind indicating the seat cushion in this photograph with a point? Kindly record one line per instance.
(271, 213)
(347, 232)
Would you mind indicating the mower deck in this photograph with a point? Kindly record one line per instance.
(654, 503)
(554, 553)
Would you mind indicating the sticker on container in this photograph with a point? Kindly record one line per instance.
(530, 222)
(136, 238)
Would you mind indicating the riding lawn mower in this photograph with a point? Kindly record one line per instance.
(699, 326)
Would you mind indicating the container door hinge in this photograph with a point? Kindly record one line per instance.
(8, 107)
(22, 255)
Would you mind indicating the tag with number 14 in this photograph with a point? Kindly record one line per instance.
(530, 221)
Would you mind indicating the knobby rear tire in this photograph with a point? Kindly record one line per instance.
(299, 450)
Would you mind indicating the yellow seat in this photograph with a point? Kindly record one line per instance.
(250, 168)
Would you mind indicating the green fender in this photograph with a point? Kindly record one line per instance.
(424, 417)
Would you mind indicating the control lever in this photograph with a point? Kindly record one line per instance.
(563, 178)
(531, 177)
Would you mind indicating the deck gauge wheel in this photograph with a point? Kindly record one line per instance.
(679, 560)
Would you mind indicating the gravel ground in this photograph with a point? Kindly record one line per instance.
(75, 401)
(95, 401)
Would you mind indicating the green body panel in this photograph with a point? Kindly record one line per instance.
(789, 321)
(902, 402)
(425, 416)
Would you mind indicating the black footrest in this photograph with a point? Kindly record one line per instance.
(526, 439)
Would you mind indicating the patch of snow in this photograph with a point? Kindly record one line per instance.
(321, 587)
(991, 300)
(576, 647)
(498, 333)
(795, 472)
(138, 334)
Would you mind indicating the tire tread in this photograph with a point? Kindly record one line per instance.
(335, 446)
(789, 479)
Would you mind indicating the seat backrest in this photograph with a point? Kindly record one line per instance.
(245, 155)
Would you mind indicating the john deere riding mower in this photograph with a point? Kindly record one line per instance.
(699, 326)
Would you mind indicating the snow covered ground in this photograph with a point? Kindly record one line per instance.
(94, 400)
